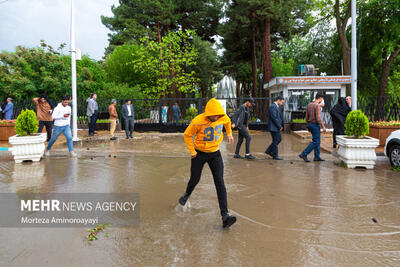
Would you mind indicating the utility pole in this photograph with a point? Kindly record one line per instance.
(353, 55)
(73, 73)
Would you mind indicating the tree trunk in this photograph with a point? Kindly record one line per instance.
(341, 26)
(267, 50)
(161, 53)
(237, 89)
(254, 56)
(386, 67)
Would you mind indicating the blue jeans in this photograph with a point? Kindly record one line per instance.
(66, 130)
(315, 130)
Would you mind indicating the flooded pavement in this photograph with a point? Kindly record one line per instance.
(290, 213)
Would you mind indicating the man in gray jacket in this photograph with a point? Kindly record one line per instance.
(128, 114)
(92, 109)
(241, 121)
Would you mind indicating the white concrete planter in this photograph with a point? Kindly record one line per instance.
(27, 147)
(357, 152)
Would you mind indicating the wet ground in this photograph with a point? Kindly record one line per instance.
(290, 213)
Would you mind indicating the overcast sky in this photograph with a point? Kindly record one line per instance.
(26, 22)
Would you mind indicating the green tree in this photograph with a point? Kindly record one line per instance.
(380, 44)
(170, 70)
(207, 66)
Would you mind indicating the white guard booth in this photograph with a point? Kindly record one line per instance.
(299, 91)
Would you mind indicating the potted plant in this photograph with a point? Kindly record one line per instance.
(6, 129)
(382, 129)
(356, 149)
(27, 144)
(298, 125)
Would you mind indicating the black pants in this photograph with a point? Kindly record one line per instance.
(243, 133)
(129, 125)
(276, 139)
(49, 127)
(335, 133)
(92, 123)
(216, 165)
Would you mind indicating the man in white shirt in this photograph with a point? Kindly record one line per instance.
(61, 116)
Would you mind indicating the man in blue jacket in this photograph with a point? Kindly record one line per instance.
(8, 110)
(275, 126)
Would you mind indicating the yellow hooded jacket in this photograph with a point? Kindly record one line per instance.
(208, 134)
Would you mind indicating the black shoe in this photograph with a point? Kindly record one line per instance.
(228, 220)
(127, 137)
(334, 145)
(319, 159)
(304, 158)
(237, 156)
(113, 138)
(269, 153)
(183, 199)
(249, 156)
(278, 158)
(131, 136)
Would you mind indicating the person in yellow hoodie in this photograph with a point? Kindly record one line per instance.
(207, 131)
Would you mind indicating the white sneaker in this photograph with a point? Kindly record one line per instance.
(73, 154)
(47, 154)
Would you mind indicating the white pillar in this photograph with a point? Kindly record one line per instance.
(353, 54)
(73, 73)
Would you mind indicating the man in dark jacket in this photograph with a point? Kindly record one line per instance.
(275, 126)
(241, 121)
(339, 114)
(128, 114)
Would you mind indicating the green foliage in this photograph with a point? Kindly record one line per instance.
(191, 113)
(299, 120)
(29, 72)
(282, 68)
(357, 124)
(207, 69)
(168, 62)
(135, 19)
(26, 123)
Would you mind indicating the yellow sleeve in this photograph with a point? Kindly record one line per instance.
(188, 136)
(228, 126)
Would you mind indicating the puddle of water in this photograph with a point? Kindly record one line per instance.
(289, 212)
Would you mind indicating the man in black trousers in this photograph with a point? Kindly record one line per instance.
(241, 121)
(275, 126)
(128, 114)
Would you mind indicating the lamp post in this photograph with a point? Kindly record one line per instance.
(353, 55)
(73, 73)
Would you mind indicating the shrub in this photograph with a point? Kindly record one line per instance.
(26, 123)
(357, 124)
(299, 120)
(191, 113)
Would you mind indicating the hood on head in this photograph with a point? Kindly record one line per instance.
(214, 108)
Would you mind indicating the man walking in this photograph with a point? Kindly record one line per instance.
(44, 108)
(128, 114)
(8, 110)
(275, 126)
(61, 116)
(242, 123)
(207, 129)
(314, 124)
(112, 110)
(176, 112)
(92, 110)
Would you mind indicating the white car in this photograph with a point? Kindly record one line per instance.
(392, 148)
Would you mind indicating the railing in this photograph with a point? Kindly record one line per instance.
(160, 110)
